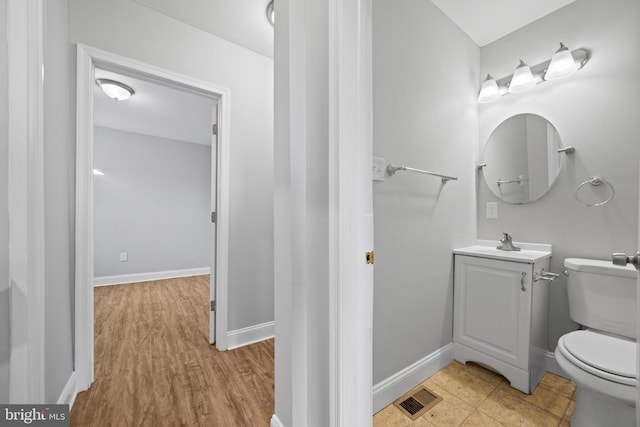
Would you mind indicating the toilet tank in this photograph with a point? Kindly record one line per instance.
(602, 295)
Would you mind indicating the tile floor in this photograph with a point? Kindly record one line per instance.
(474, 396)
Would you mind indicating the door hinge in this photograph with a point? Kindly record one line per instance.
(369, 257)
(214, 128)
(213, 305)
(214, 217)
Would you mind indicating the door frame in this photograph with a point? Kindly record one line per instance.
(25, 54)
(638, 328)
(87, 59)
(323, 213)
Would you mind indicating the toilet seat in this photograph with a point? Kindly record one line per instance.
(608, 357)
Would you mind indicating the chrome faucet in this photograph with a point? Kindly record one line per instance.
(507, 244)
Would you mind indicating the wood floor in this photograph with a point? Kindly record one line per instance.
(155, 367)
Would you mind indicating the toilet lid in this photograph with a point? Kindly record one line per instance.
(606, 353)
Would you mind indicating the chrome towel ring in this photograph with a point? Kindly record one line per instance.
(596, 181)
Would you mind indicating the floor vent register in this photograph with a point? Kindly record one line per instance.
(417, 402)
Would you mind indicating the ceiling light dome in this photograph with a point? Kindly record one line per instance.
(115, 90)
(271, 15)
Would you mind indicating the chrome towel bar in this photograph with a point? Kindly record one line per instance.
(392, 169)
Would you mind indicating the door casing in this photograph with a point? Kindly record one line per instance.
(87, 59)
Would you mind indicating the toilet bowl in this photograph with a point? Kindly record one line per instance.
(601, 359)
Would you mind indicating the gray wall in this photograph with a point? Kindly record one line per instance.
(59, 149)
(151, 37)
(425, 76)
(153, 202)
(4, 212)
(596, 110)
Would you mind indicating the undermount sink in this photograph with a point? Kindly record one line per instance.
(530, 252)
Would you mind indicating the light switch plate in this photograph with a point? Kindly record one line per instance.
(378, 165)
(492, 210)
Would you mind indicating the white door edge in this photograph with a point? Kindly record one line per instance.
(638, 329)
(87, 59)
(213, 225)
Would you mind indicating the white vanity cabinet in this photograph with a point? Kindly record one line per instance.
(500, 311)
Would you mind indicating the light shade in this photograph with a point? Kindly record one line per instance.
(115, 90)
(562, 64)
(522, 79)
(489, 91)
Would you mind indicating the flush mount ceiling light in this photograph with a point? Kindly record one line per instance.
(115, 90)
(271, 15)
(563, 63)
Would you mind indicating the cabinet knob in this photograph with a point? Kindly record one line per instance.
(522, 276)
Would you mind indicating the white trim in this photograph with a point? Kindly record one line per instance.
(69, 392)
(553, 366)
(388, 390)
(350, 212)
(275, 421)
(25, 24)
(122, 279)
(87, 59)
(250, 335)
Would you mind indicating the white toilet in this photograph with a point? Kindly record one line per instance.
(601, 359)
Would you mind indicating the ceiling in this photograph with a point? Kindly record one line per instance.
(486, 21)
(155, 110)
(172, 113)
(243, 22)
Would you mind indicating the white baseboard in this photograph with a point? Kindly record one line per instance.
(388, 390)
(252, 334)
(553, 366)
(146, 277)
(275, 422)
(69, 392)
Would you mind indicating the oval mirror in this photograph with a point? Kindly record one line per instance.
(521, 159)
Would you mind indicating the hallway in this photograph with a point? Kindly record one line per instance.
(155, 367)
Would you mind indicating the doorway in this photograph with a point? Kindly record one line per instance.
(154, 183)
(90, 59)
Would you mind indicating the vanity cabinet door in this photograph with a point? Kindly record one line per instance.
(492, 307)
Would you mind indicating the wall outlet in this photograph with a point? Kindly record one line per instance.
(378, 166)
(492, 210)
(124, 257)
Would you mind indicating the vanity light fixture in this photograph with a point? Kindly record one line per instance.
(271, 15)
(115, 90)
(563, 63)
